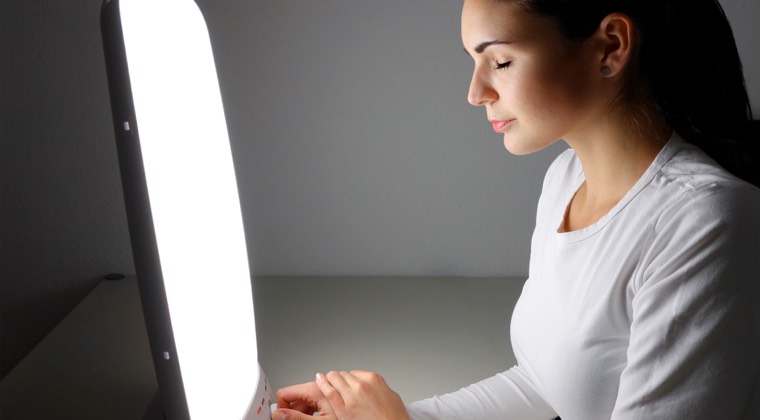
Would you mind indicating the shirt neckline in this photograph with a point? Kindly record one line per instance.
(667, 152)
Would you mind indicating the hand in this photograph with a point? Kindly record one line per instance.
(300, 402)
(361, 395)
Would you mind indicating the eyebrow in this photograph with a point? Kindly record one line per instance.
(483, 45)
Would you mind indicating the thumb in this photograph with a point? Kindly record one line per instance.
(288, 414)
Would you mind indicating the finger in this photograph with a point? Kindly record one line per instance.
(365, 378)
(368, 376)
(333, 395)
(303, 407)
(338, 381)
(351, 381)
(287, 414)
(302, 397)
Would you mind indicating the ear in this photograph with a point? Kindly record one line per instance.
(615, 40)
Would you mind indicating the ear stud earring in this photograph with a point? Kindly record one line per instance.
(606, 72)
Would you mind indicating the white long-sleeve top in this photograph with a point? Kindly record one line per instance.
(653, 312)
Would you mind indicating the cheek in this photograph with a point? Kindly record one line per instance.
(554, 97)
(537, 97)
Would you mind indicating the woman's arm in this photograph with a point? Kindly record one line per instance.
(365, 395)
(509, 395)
(694, 349)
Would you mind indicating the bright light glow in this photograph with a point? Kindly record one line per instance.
(194, 200)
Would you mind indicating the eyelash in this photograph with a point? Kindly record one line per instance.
(502, 66)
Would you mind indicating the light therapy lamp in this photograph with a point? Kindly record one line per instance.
(183, 210)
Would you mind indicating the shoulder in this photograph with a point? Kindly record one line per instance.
(691, 168)
(565, 162)
(694, 189)
(701, 216)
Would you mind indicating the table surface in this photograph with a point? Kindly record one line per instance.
(426, 336)
(95, 364)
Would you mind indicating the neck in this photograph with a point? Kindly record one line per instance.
(613, 158)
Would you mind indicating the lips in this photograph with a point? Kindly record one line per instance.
(500, 125)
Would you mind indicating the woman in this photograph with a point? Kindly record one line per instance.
(642, 299)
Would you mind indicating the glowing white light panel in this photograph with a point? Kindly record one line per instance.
(194, 200)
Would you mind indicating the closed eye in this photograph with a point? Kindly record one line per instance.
(501, 66)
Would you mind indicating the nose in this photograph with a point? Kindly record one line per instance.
(481, 92)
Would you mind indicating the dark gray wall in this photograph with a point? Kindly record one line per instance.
(63, 224)
(356, 151)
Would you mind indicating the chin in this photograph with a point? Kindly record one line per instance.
(522, 147)
(519, 149)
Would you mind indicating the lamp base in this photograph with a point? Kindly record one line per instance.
(258, 409)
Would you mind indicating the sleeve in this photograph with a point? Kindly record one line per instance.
(508, 395)
(694, 349)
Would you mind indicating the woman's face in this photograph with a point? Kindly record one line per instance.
(534, 87)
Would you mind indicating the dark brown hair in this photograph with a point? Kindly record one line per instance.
(685, 66)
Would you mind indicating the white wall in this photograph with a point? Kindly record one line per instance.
(744, 16)
(356, 149)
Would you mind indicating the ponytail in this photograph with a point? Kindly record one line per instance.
(689, 57)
